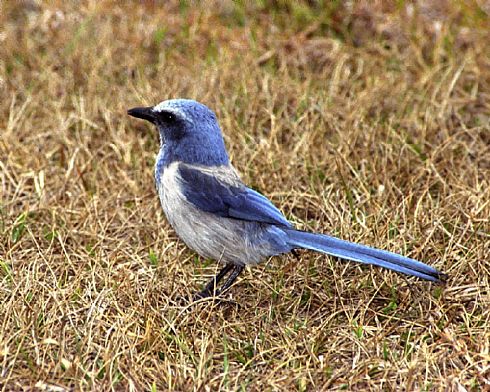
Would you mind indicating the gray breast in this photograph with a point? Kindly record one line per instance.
(219, 238)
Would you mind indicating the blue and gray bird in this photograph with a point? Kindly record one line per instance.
(219, 217)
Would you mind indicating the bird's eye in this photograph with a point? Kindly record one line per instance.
(167, 117)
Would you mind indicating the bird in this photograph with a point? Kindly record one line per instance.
(214, 213)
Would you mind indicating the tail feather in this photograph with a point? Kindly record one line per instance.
(363, 254)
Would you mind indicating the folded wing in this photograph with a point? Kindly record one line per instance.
(212, 193)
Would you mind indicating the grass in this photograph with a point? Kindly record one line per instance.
(369, 121)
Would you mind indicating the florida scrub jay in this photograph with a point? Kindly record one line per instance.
(219, 217)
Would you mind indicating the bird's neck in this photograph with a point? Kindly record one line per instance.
(192, 154)
(160, 165)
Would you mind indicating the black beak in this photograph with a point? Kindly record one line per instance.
(144, 113)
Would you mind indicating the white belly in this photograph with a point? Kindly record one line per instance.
(219, 238)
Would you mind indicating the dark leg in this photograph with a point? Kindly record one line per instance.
(295, 253)
(237, 270)
(210, 288)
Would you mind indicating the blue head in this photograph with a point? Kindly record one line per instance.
(189, 132)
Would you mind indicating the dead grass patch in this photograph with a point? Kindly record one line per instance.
(369, 121)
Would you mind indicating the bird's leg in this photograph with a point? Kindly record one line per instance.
(237, 270)
(211, 285)
(295, 253)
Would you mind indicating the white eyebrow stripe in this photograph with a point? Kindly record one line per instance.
(163, 106)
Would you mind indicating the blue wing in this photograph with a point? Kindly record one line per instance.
(210, 194)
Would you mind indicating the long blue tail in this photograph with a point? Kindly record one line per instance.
(363, 254)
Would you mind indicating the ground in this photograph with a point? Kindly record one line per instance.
(365, 120)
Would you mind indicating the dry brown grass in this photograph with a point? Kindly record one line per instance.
(370, 122)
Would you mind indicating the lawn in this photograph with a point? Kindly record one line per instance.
(369, 121)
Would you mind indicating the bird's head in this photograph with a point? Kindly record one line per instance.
(189, 131)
